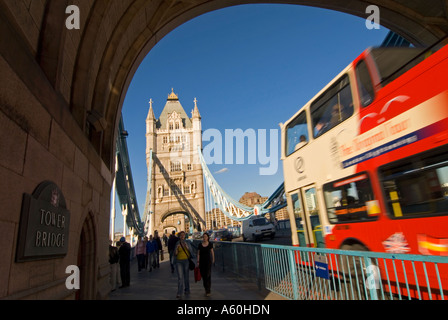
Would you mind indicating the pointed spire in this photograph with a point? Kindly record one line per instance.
(151, 111)
(173, 96)
(195, 112)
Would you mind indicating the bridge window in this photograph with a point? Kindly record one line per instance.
(417, 186)
(176, 166)
(333, 107)
(296, 133)
(176, 189)
(160, 192)
(165, 139)
(186, 189)
(351, 200)
(365, 86)
(166, 192)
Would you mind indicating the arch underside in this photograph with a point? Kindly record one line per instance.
(93, 67)
(167, 214)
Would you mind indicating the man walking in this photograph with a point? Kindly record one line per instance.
(171, 245)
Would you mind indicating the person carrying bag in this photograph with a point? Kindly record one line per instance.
(183, 252)
(191, 264)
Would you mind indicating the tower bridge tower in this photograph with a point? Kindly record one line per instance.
(177, 190)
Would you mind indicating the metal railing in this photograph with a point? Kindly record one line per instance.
(299, 273)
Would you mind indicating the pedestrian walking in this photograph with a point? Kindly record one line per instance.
(114, 258)
(125, 262)
(140, 251)
(151, 247)
(171, 245)
(165, 240)
(145, 239)
(206, 257)
(183, 251)
(159, 250)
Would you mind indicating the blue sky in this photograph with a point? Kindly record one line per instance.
(250, 67)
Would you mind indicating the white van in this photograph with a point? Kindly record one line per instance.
(257, 228)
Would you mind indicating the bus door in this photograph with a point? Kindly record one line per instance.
(311, 218)
(297, 207)
(304, 204)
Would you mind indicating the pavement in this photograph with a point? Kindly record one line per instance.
(161, 284)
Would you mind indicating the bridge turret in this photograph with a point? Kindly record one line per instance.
(150, 129)
(197, 127)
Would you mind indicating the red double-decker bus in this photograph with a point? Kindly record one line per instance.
(366, 160)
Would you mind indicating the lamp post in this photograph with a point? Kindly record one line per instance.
(124, 212)
(112, 215)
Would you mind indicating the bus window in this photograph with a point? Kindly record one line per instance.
(417, 186)
(350, 200)
(296, 133)
(365, 86)
(297, 205)
(332, 107)
(393, 62)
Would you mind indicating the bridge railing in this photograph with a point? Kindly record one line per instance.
(299, 273)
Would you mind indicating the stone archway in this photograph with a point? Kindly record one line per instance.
(62, 92)
(87, 260)
(170, 227)
(180, 215)
(90, 69)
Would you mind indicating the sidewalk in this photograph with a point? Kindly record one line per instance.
(161, 284)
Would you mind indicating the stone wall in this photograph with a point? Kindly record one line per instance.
(40, 141)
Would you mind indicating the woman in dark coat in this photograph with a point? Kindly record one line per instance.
(206, 257)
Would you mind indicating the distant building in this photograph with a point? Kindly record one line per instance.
(252, 198)
(177, 178)
(216, 219)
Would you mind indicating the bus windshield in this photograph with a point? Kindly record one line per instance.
(260, 222)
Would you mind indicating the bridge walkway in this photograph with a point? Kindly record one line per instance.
(161, 284)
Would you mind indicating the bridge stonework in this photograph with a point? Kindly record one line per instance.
(61, 96)
(176, 174)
